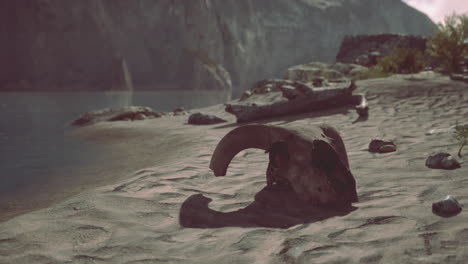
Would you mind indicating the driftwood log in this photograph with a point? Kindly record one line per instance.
(316, 100)
(363, 108)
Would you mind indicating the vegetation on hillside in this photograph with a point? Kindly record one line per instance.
(446, 48)
(374, 72)
(460, 135)
(402, 61)
(448, 44)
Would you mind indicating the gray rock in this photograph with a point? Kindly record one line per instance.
(302, 88)
(179, 111)
(442, 160)
(204, 119)
(318, 82)
(245, 95)
(261, 90)
(191, 44)
(373, 57)
(334, 76)
(362, 59)
(316, 73)
(381, 146)
(368, 59)
(273, 85)
(209, 75)
(344, 68)
(375, 54)
(140, 116)
(447, 207)
(357, 72)
(387, 148)
(456, 77)
(320, 74)
(116, 114)
(289, 92)
(264, 87)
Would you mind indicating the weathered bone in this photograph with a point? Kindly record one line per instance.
(312, 160)
(363, 108)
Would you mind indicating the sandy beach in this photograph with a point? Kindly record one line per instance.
(153, 199)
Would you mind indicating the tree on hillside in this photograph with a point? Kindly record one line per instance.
(402, 61)
(448, 45)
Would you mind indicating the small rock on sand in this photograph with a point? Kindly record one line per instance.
(381, 146)
(446, 207)
(179, 111)
(387, 148)
(204, 119)
(245, 95)
(140, 116)
(442, 160)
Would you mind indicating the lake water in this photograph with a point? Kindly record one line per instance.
(32, 127)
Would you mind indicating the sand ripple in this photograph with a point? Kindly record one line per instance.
(178, 212)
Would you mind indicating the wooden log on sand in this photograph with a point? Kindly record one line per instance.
(363, 108)
(316, 100)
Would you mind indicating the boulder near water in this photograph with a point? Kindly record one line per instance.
(131, 113)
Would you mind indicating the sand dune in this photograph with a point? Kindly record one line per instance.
(171, 209)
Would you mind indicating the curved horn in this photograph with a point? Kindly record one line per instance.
(244, 137)
(338, 174)
(336, 142)
(343, 182)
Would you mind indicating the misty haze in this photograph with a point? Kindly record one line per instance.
(233, 131)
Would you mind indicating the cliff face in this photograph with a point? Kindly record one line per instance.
(177, 44)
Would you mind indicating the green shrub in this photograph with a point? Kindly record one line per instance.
(402, 61)
(374, 72)
(447, 44)
(460, 135)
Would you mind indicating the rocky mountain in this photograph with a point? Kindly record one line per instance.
(178, 44)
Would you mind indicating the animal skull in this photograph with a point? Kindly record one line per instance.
(313, 160)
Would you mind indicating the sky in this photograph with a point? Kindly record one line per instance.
(438, 9)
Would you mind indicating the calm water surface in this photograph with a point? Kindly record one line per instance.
(32, 127)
